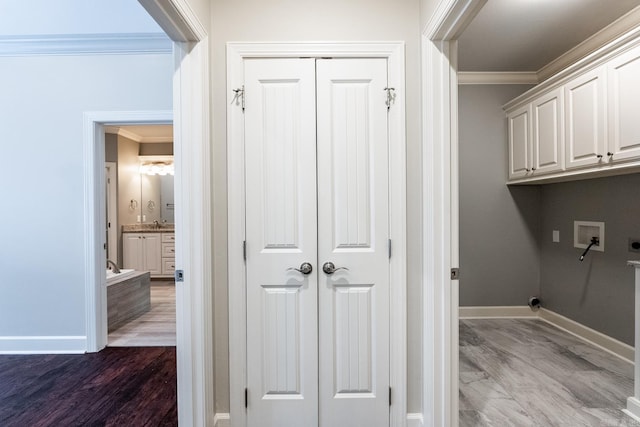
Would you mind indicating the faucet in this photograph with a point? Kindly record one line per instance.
(156, 224)
(113, 265)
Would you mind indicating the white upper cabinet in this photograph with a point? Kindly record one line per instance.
(581, 123)
(519, 142)
(624, 106)
(585, 119)
(548, 135)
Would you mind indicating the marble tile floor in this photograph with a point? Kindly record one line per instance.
(155, 328)
(525, 372)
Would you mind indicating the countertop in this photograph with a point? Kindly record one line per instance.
(148, 228)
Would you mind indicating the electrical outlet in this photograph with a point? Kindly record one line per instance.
(556, 236)
(634, 244)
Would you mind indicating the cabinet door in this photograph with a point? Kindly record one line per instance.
(132, 251)
(548, 133)
(152, 253)
(624, 106)
(519, 127)
(585, 120)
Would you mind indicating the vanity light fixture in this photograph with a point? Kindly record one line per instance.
(157, 168)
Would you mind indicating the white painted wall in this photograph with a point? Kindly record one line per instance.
(42, 290)
(329, 20)
(42, 17)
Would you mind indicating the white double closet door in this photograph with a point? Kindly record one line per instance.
(317, 173)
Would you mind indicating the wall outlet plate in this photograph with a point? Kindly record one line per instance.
(584, 231)
(634, 244)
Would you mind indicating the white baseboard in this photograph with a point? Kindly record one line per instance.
(222, 420)
(633, 408)
(43, 345)
(605, 342)
(497, 312)
(592, 336)
(415, 420)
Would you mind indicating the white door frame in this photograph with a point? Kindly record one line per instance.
(191, 120)
(236, 53)
(440, 216)
(112, 211)
(95, 216)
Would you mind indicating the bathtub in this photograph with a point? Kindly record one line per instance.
(113, 278)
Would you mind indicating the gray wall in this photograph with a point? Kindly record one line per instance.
(598, 292)
(499, 225)
(506, 248)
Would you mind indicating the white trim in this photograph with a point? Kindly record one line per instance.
(587, 63)
(222, 420)
(633, 408)
(415, 420)
(135, 137)
(593, 337)
(619, 27)
(497, 312)
(94, 213)
(394, 52)
(598, 339)
(451, 18)
(43, 344)
(194, 296)
(177, 19)
(497, 78)
(112, 210)
(86, 44)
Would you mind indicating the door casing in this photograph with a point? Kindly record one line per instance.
(394, 53)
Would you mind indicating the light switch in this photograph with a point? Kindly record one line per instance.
(556, 236)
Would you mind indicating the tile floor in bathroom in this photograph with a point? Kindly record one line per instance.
(157, 327)
(525, 372)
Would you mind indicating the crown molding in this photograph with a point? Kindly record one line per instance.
(608, 34)
(85, 44)
(497, 78)
(135, 137)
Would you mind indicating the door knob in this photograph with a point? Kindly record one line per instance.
(305, 268)
(330, 267)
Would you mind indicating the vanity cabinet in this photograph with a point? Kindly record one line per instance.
(580, 124)
(143, 252)
(168, 254)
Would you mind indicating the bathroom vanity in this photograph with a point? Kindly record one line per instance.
(147, 247)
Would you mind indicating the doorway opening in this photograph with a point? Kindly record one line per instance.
(96, 213)
(141, 251)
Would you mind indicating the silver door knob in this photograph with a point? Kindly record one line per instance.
(305, 268)
(330, 268)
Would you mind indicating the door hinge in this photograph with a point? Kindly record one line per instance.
(455, 273)
(389, 248)
(244, 250)
(246, 397)
(104, 246)
(238, 97)
(389, 395)
(391, 97)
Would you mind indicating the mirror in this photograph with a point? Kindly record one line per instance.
(156, 194)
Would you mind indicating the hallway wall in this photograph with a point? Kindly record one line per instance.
(331, 20)
(42, 290)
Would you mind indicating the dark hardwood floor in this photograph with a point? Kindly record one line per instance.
(116, 387)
